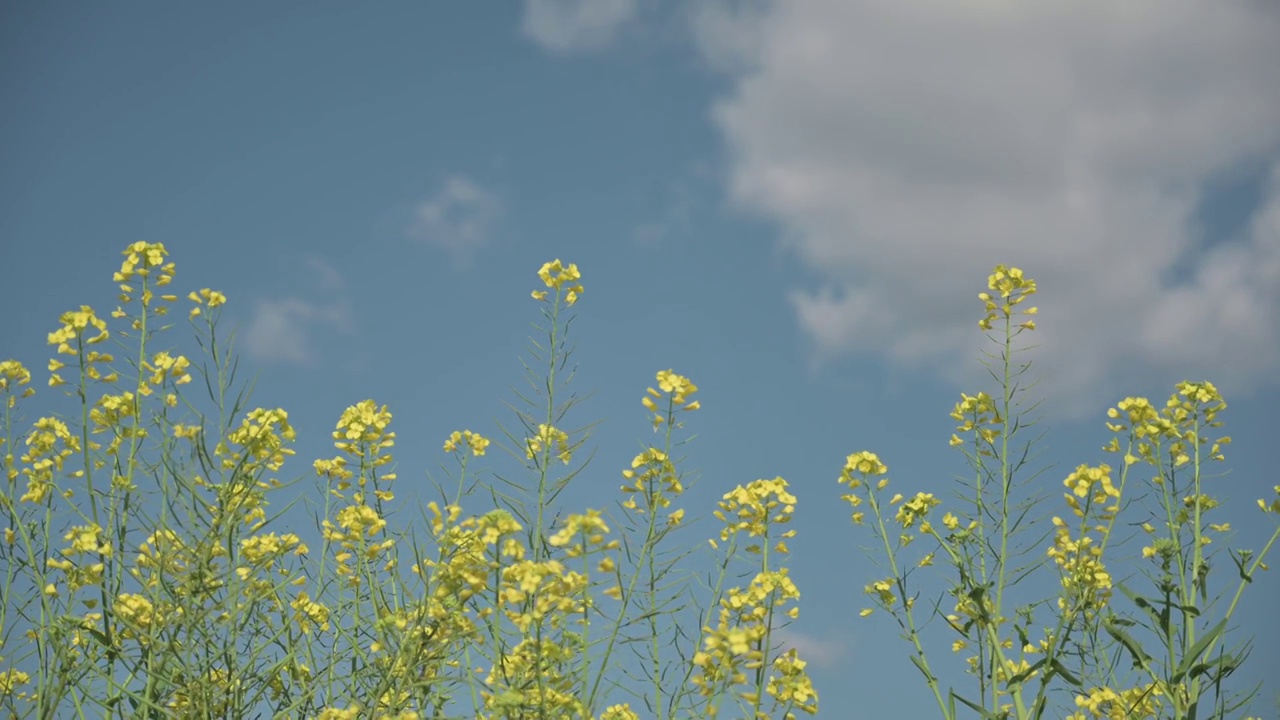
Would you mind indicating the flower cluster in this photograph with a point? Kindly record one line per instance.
(1107, 704)
(1193, 407)
(858, 470)
(474, 441)
(71, 339)
(205, 298)
(49, 444)
(146, 264)
(551, 440)
(1094, 485)
(1013, 288)
(85, 540)
(977, 414)
(362, 434)
(916, 509)
(260, 549)
(558, 277)
(677, 389)
(364, 424)
(261, 436)
(652, 476)
(590, 527)
(739, 641)
(1085, 580)
(752, 509)
(12, 371)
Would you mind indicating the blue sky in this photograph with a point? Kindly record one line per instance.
(794, 204)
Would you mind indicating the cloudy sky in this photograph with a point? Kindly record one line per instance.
(794, 203)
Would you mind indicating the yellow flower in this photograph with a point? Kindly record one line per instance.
(12, 370)
(559, 277)
(360, 519)
(11, 678)
(915, 508)
(619, 712)
(1013, 288)
(85, 539)
(864, 463)
(475, 441)
(206, 298)
(551, 439)
(74, 324)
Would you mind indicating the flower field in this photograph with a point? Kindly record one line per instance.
(146, 573)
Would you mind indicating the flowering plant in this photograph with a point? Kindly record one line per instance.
(1021, 649)
(189, 606)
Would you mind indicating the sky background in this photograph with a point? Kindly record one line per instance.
(792, 203)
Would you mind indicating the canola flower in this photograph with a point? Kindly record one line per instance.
(202, 609)
(1014, 662)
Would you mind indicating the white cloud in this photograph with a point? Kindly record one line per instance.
(281, 330)
(575, 25)
(676, 217)
(325, 275)
(458, 219)
(819, 652)
(903, 149)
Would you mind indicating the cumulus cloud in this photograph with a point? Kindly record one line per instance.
(903, 149)
(676, 214)
(458, 219)
(325, 276)
(567, 26)
(281, 330)
(819, 652)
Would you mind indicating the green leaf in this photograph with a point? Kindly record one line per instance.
(915, 660)
(985, 713)
(1066, 674)
(1192, 658)
(1191, 610)
(1140, 657)
(1023, 640)
(1143, 604)
(102, 639)
(1240, 564)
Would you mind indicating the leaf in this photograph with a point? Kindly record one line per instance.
(1140, 657)
(1191, 610)
(1066, 674)
(102, 639)
(986, 714)
(915, 660)
(1193, 655)
(1143, 603)
(1023, 640)
(1240, 563)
